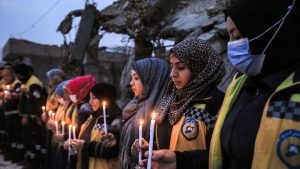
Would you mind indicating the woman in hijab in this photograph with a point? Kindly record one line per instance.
(191, 103)
(259, 127)
(93, 144)
(78, 90)
(149, 80)
(258, 124)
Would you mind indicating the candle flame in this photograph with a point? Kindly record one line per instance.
(141, 122)
(73, 127)
(56, 123)
(50, 112)
(70, 126)
(43, 107)
(5, 92)
(8, 87)
(153, 116)
(63, 123)
(104, 103)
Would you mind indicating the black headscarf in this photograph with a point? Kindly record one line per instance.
(207, 70)
(253, 17)
(104, 91)
(24, 70)
(154, 74)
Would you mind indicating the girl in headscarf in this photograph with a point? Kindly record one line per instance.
(97, 149)
(78, 90)
(149, 80)
(188, 110)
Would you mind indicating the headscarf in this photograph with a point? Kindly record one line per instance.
(81, 86)
(253, 17)
(154, 74)
(59, 88)
(104, 91)
(207, 70)
(56, 75)
(23, 70)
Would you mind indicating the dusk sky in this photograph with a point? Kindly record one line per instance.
(29, 19)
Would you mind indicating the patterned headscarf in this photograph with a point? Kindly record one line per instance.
(207, 69)
(154, 74)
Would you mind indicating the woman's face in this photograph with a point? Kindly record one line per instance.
(94, 102)
(180, 73)
(136, 84)
(233, 31)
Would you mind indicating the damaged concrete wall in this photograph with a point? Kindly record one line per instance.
(107, 67)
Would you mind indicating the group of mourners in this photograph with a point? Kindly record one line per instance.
(254, 124)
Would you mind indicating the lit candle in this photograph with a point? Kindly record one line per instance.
(56, 126)
(5, 93)
(53, 116)
(8, 87)
(104, 117)
(74, 136)
(63, 127)
(140, 139)
(152, 125)
(49, 114)
(70, 131)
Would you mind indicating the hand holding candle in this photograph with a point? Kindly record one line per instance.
(104, 117)
(152, 125)
(140, 139)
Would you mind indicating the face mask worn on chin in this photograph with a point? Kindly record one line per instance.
(238, 51)
(73, 98)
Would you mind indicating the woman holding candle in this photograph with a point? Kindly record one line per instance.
(149, 80)
(188, 110)
(54, 77)
(64, 106)
(78, 89)
(96, 148)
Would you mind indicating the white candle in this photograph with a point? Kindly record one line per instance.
(152, 125)
(56, 126)
(70, 131)
(63, 127)
(74, 136)
(104, 117)
(140, 139)
(5, 93)
(50, 113)
(53, 116)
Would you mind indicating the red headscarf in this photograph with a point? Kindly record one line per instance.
(81, 86)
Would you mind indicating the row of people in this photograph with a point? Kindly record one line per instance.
(254, 125)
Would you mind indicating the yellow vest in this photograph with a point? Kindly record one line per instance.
(189, 133)
(96, 163)
(277, 143)
(12, 85)
(32, 80)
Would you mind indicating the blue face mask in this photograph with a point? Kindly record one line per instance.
(238, 51)
(238, 54)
